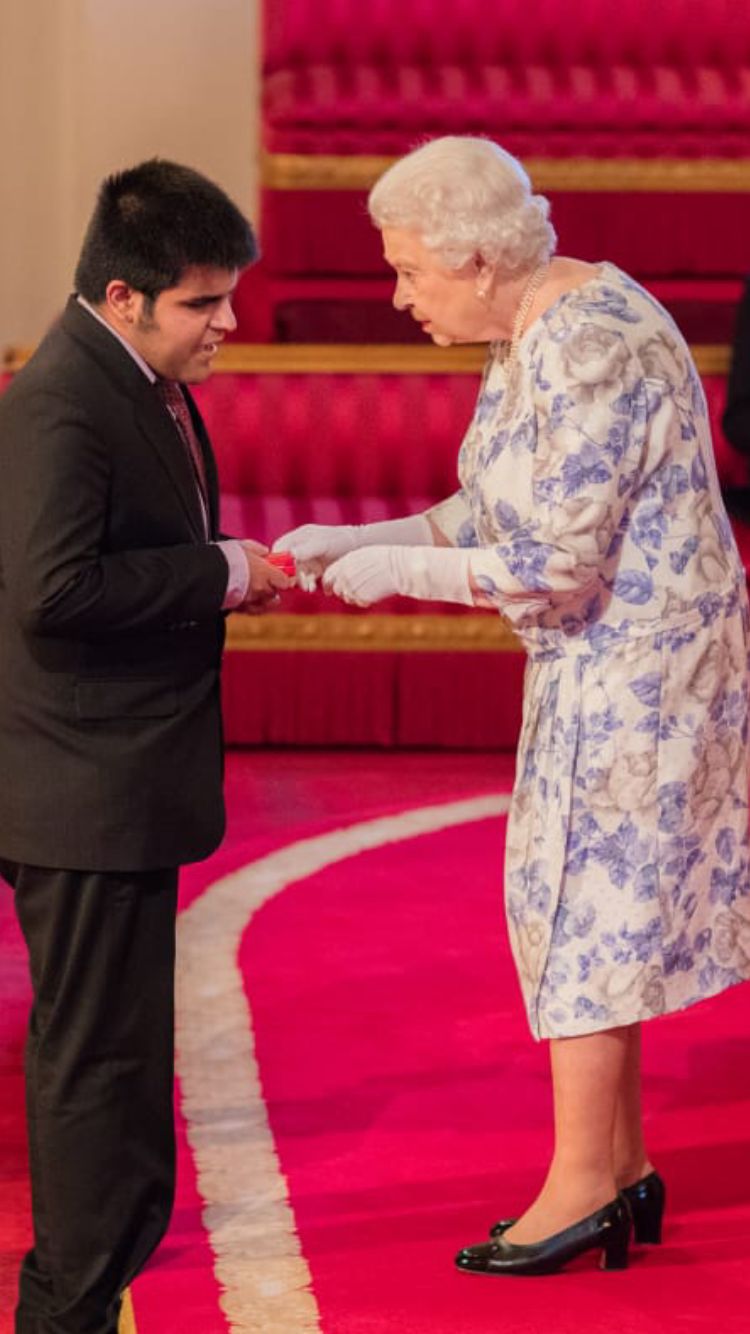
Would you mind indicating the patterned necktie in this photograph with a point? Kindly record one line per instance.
(173, 399)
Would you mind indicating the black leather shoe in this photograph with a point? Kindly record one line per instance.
(646, 1199)
(607, 1230)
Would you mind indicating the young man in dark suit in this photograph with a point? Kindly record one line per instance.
(114, 582)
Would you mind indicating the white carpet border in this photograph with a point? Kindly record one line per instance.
(263, 1276)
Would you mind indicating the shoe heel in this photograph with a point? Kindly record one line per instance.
(615, 1250)
(646, 1200)
(647, 1230)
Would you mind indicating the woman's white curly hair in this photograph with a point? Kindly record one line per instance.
(466, 196)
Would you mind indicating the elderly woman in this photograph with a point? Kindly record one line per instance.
(589, 514)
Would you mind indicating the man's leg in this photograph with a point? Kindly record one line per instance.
(99, 1077)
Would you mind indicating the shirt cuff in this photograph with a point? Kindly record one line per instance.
(239, 575)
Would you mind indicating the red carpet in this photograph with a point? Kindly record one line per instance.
(407, 1103)
(410, 1109)
(14, 1213)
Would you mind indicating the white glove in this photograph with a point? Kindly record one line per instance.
(432, 573)
(324, 543)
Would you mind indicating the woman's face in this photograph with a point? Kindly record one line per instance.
(444, 301)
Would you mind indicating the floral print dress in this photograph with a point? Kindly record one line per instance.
(590, 492)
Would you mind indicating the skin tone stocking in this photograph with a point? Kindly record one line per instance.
(631, 1160)
(598, 1137)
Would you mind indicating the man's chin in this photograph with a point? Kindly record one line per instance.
(441, 340)
(197, 373)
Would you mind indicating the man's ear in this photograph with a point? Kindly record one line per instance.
(122, 301)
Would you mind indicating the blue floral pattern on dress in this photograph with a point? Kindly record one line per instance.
(591, 501)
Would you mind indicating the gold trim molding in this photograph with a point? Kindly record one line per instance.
(658, 175)
(371, 633)
(352, 358)
(369, 358)
(712, 358)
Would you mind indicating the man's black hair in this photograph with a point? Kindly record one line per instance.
(154, 221)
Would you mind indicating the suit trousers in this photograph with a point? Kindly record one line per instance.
(99, 1087)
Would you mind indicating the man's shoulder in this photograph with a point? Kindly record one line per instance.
(65, 366)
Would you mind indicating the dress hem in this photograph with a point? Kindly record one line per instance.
(584, 1028)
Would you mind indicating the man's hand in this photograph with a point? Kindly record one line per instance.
(265, 581)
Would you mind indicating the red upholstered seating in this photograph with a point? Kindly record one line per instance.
(350, 434)
(317, 446)
(610, 79)
(297, 446)
(341, 308)
(300, 448)
(611, 82)
(329, 447)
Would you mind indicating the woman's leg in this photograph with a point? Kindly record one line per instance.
(588, 1081)
(631, 1161)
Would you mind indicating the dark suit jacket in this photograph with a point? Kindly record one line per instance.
(736, 419)
(111, 627)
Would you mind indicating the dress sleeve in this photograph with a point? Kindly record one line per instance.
(453, 518)
(557, 493)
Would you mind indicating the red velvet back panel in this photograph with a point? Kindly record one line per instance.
(361, 436)
(700, 33)
(336, 82)
(338, 435)
(353, 436)
(605, 78)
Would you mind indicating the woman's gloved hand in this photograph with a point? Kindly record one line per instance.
(431, 573)
(316, 545)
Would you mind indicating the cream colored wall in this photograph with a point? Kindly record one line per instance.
(90, 86)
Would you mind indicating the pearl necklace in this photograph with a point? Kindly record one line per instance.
(510, 346)
(524, 306)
